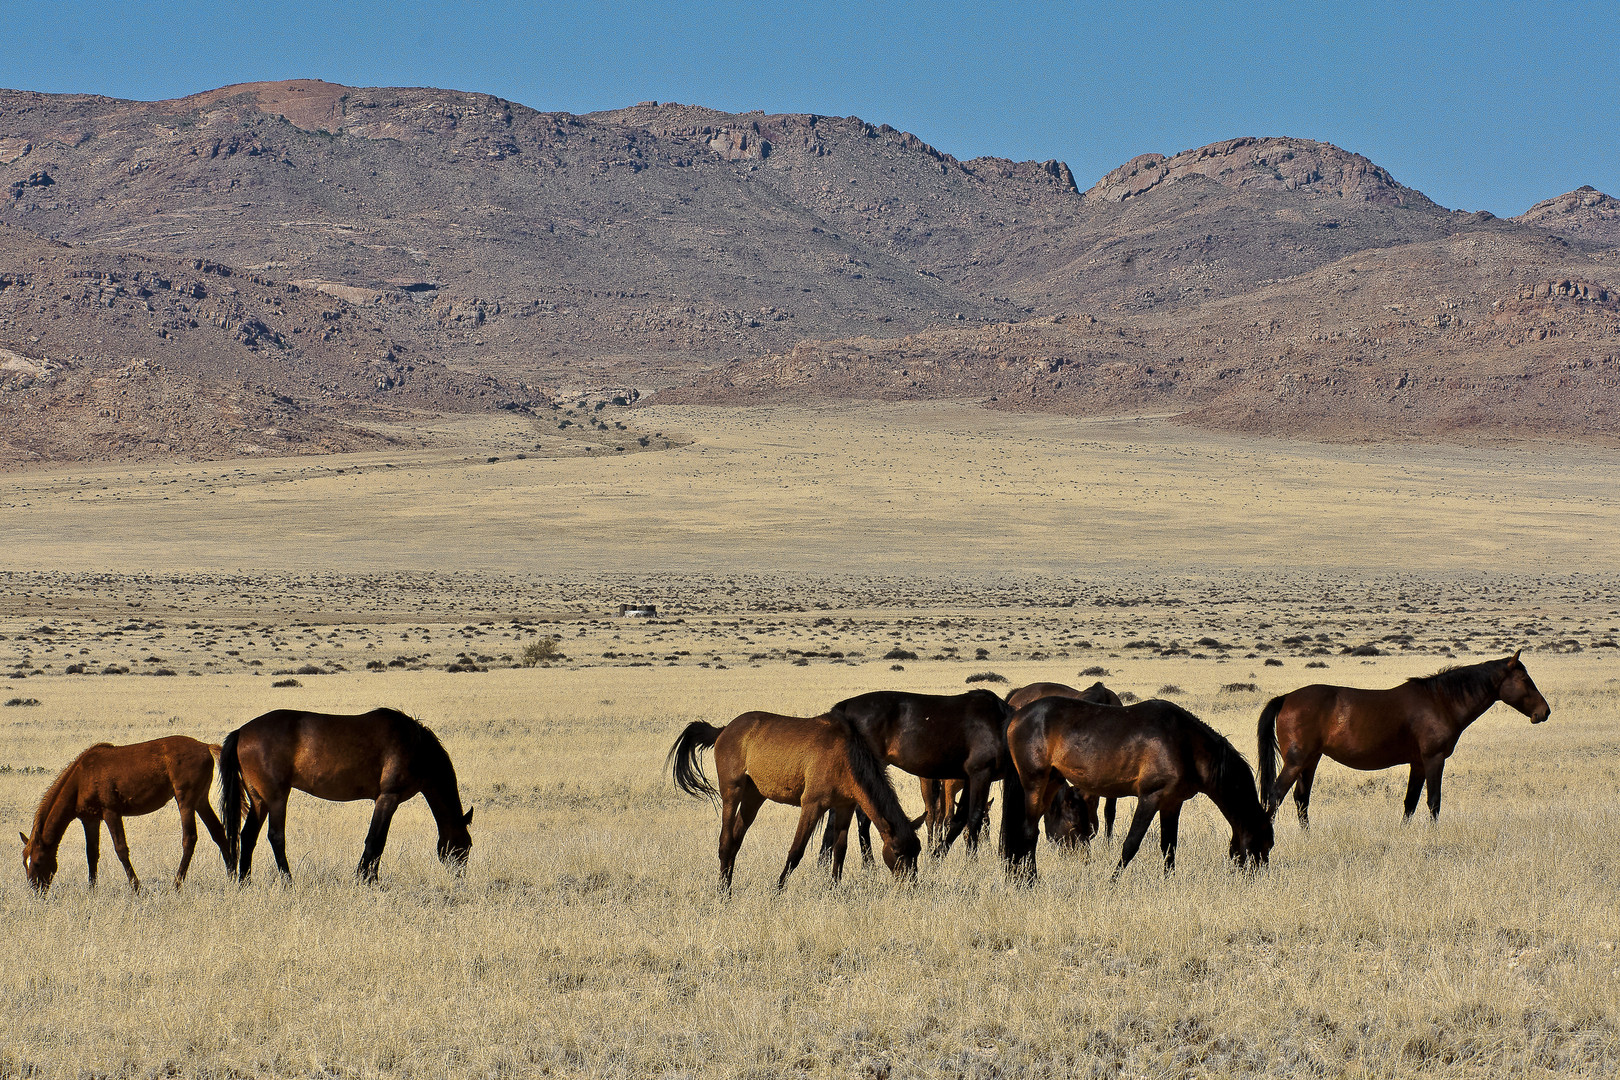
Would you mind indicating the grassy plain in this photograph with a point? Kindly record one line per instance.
(789, 550)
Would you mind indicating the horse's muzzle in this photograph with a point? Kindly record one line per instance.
(1540, 717)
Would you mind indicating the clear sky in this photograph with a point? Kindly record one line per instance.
(1482, 106)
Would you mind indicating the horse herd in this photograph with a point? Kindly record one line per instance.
(1057, 751)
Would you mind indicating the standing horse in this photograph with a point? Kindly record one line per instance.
(109, 783)
(942, 737)
(1071, 818)
(1155, 750)
(815, 763)
(1417, 724)
(382, 755)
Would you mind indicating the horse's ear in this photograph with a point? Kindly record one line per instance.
(24, 838)
(468, 819)
(1516, 653)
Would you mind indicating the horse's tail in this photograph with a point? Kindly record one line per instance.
(230, 799)
(683, 759)
(1267, 752)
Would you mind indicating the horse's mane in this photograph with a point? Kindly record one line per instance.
(873, 776)
(1462, 681)
(422, 740)
(48, 800)
(1231, 768)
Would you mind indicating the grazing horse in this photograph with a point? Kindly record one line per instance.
(942, 737)
(1155, 750)
(109, 783)
(816, 763)
(382, 755)
(1416, 723)
(1071, 818)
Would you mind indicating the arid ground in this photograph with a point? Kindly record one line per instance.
(790, 551)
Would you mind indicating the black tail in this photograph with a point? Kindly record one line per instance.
(1267, 752)
(683, 759)
(230, 800)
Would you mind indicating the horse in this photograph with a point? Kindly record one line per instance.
(1417, 724)
(382, 755)
(108, 783)
(816, 763)
(1155, 750)
(941, 737)
(1071, 818)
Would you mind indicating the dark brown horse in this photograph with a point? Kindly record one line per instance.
(815, 763)
(108, 783)
(1154, 750)
(942, 737)
(382, 755)
(1416, 723)
(1071, 818)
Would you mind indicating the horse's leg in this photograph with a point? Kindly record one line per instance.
(115, 828)
(1414, 789)
(1108, 817)
(1169, 824)
(382, 815)
(251, 825)
(930, 796)
(813, 809)
(92, 845)
(973, 809)
(1146, 807)
(1302, 792)
(863, 828)
(276, 817)
(188, 842)
(735, 820)
(1291, 769)
(216, 830)
(1431, 776)
(838, 825)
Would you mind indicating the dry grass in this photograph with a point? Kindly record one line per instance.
(587, 937)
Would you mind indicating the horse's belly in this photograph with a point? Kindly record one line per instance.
(781, 789)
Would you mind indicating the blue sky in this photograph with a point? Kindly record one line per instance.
(1483, 106)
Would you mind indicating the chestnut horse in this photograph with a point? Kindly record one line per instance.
(942, 737)
(109, 783)
(1416, 723)
(1155, 750)
(815, 763)
(1071, 818)
(382, 755)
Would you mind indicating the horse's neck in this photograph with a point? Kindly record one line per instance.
(54, 819)
(1227, 802)
(1478, 700)
(444, 799)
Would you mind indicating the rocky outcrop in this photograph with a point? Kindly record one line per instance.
(1296, 165)
(1585, 213)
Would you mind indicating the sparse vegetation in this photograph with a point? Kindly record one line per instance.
(986, 676)
(540, 651)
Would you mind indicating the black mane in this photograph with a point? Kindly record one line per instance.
(1463, 682)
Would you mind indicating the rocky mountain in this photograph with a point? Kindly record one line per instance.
(500, 255)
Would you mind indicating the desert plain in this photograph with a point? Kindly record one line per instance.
(798, 555)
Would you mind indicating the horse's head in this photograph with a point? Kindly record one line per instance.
(900, 852)
(1071, 819)
(1519, 691)
(1251, 843)
(39, 863)
(455, 842)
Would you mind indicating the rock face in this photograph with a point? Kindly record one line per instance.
(489, 247)
(1583, 214)
(1301, 165)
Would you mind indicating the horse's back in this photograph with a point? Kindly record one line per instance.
(780, 753)
(1362, 728)
(338, 757)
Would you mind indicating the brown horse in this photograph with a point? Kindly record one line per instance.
(1071, 818)
(109, 783)
(1416, 724)
(382, 755)
(815, 763)
(942, 737)
(1155, 750)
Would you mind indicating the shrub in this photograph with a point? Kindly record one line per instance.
(1170, 688)
(1272, 661)
(286, 682)
(23, 701)
(540, 652)
(987, 676)
(1095, 672)
(898, 653)
(1240, 688)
